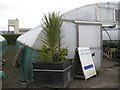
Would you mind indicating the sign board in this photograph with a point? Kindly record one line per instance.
(86, 62)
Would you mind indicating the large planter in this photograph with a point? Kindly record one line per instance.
(52, 75)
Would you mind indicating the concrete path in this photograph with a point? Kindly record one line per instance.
(107, 78)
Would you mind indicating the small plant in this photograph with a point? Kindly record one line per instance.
(116, 53)
(45, 55)
(62, 54)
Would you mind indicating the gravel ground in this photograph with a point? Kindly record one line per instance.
(107, 78)
(12, 74)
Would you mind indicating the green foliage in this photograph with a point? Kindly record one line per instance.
(11, 38)
(114, 45)
(51, 26)
(110, 44)
(52, 29)
(61, 54)
(116, 53)
(45, 55)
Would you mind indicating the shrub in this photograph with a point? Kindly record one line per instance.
(45, 55)
(116, 53)
(110, 44)
(11, 38)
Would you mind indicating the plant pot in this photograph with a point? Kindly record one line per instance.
(56, 75)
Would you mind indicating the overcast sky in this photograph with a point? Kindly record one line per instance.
(30, 12)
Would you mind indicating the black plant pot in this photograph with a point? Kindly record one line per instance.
(56, 75)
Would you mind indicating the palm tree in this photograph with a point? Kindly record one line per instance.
(52, 30)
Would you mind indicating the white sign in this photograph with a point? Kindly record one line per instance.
(86, 62)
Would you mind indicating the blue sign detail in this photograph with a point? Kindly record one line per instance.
(88, 66)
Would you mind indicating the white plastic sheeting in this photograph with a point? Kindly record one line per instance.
(2, 38)
(31, 38)
(82, 13)
(114, 35)
(101, 12)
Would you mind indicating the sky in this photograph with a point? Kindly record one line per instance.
(30, 12)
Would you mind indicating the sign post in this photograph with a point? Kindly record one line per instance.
(86, 62)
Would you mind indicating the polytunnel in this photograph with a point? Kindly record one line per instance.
(31, 41)
(3, 46)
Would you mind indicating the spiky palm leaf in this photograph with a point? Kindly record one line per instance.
(52, 29)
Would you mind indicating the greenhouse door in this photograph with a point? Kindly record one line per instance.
(90, 36)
